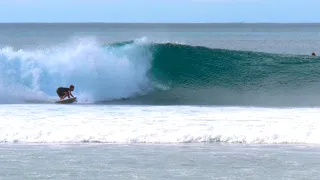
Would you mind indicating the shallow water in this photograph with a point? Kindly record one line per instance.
(202, 161)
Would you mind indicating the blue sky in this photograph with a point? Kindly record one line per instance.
(160, 11)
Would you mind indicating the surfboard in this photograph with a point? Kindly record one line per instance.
(67, 101)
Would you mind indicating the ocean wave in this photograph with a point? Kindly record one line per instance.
(98, 73)
(143, 72)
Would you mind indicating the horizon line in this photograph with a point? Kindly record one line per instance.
(75, 22)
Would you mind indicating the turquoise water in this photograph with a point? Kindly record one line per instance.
(218, 101)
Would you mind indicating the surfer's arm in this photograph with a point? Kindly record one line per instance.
(70, 94)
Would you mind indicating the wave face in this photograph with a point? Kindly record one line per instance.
(200, 75)
(139, 72)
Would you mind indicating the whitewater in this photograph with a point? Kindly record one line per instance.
(160, 125)
(98, 73)
(160, 101)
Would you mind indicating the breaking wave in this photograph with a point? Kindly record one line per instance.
(142, 72)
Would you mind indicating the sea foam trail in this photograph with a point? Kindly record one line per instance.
(98, 73)
(147, 124)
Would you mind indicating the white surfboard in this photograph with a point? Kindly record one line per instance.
(67, 101)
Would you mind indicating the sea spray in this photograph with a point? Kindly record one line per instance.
(98, 73)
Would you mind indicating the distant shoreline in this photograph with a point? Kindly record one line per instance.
(157, 25)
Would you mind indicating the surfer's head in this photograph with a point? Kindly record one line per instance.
(71, 87)
(313, 54)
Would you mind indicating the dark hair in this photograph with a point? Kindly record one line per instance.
(71, 86)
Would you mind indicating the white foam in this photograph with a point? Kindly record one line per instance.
(98, 73)
(133, 124)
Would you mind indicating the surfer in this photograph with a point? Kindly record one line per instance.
(313, 54)
(63, 92)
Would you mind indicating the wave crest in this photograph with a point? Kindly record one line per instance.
(97, 72)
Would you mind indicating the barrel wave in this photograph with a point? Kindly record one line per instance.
(200, 75)
(141, 72)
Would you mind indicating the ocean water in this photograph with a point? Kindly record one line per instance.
(160, 101)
